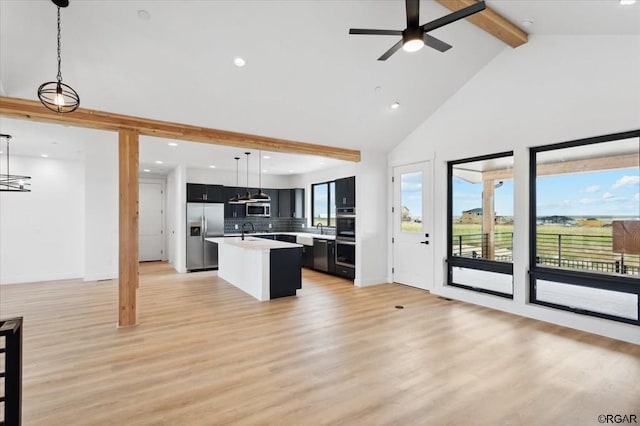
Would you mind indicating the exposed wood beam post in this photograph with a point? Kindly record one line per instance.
(488, 221)
(490, 21)
(128, 253)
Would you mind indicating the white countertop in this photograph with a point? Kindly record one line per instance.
(253, 243)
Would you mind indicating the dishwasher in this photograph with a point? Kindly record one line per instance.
(320, 255)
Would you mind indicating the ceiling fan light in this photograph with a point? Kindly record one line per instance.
(413, 45)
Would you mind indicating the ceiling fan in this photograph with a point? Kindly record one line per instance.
(415, 35)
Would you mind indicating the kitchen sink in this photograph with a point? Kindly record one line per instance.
(304, 240)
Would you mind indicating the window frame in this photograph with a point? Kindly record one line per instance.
(505, 268)
(568, 276)
(313, 195)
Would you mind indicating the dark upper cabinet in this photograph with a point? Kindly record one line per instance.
(214, 194)
(198, 192)
(346, 192)
(291, 203)
(233, 210)
(273, 194)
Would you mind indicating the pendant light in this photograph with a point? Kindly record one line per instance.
(236, 198)
(55, 95)
(246, 198)
(260, 196)
(9, 182)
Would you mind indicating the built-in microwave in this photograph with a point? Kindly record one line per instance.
(258, 209)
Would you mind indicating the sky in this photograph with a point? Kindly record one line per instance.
(606, 193)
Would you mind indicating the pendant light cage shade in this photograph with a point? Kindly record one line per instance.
(236, 198)
(9, 182)
(58, 97)
(55, 95)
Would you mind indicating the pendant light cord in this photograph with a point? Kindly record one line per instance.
(260, 170)
(59, 49)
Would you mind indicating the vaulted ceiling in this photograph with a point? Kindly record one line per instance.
(305, 77)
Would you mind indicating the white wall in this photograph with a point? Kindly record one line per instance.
(228, 178)
(101, 207)
(176, 218)
(43, 231)
(552, 89)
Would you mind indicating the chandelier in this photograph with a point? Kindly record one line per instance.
(56, 95)
(9, 182)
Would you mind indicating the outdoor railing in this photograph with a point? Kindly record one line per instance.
(586, 252)
(582, 252)
(476, 246)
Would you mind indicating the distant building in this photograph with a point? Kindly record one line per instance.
(406, 214)
(472, 216)
(591, 221)
(556, 220)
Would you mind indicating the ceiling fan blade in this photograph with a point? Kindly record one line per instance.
(455, 16)
(374, 32)
(433, 42)
(413, 13)
(391, 51)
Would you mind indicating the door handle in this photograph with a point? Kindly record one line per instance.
(424, 242)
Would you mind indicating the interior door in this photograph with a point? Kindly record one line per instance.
(150, 222)
(412, 225)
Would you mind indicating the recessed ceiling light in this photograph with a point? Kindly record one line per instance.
(158, 162)
(212, 166)
(291, 171)
(627, 2)
(172, 144)
(146, 170)
(144, 15)
(265, 171)
(239, 62)
(377, 89)
(44, 155)
(266, 157)
(395, 105)
(527, 22)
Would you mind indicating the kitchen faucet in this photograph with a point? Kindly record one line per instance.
(252, 227)
(320, 225)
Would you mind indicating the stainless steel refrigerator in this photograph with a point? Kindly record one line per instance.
(204, 220)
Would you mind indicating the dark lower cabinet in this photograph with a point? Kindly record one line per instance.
(345, 272)
(307, 256)
(285, 275)
(286, 238)
(331, 248)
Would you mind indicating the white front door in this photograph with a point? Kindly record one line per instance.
(150, 222)
(412, 225)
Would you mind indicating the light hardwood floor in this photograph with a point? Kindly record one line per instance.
(206, 353)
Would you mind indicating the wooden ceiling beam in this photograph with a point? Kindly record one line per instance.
(490, 21)
(613, 162)
(82, 117)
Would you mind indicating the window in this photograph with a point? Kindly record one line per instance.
(584, 226)
(323, 204)
(411, 202)
(480, 224)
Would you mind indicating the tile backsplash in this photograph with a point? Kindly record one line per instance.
(278, 224)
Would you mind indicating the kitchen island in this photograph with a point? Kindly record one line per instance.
(265, 269)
